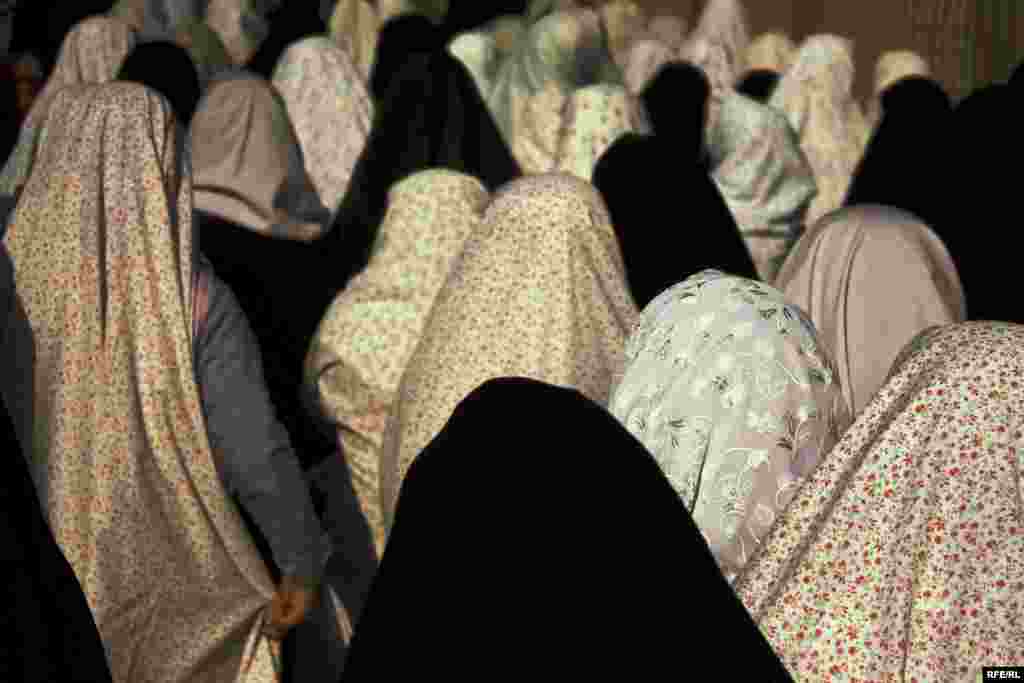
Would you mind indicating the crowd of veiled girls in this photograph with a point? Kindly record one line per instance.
(462, 339)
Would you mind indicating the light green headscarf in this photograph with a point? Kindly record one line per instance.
(729, 388)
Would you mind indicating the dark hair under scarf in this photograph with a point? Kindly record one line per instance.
(906, 163)
(289, 23)
(676, 100)
(553, 548)
(759, 84)
(432, 116)
(10, 117)
(170, 71)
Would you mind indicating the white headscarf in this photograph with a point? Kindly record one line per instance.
(729, 389)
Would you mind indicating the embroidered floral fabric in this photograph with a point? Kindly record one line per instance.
(727, 386)
(902, 557)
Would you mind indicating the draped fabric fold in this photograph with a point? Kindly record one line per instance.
(118, 443)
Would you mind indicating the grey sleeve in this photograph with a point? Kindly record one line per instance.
(254, 456)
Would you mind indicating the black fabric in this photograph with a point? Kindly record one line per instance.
(431, 117)
(289, 23)
(670, 219)
(759, 84)
(905, 165)
(537, 537)
(170, 71)
(985, 145)
(47, 632)
(676, 100)
(40, 27)
(10, 118)
(469, 15)
(401, 39)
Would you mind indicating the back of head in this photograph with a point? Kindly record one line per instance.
(473, 576)
(676, 101)
(399, 40)
(917, 95)
(759, 84)
(170, 71)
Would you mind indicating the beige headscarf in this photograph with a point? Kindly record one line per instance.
(902, 557)
(871, 278)
(540, 291)
(724, 23)
(772, 51)
(816, 95)
(594, 118)
(764, 178)
(669, 29)
(355, 26)
(729, 388)
(239, 25)
(247, 164)
(624, 21)
(330, 109)
(645, 57)
(363, 345)
(890, 68)
(713, 59)
(92, 52)
(104, 252)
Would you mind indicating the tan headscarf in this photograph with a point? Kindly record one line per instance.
(363, 345)
(594, 118)
(729, 388)
(890, 68)
(669, 29)
(355, 26)
(724, 23)
(104, 252)
(247, 164)
(771, 51)
(330, 109)
(239, 25)
(92, 52)
(871, 278)
(540, 291)
(816, 95)
(902, 557)
(764, 178)
(624, 21)
(645, 58)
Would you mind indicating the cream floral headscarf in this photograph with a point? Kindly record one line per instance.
(771, 51)
(594, 118)
(539, 291)
(727, 386)
(816, 95)
(369, 334)
(764, 178)
(105, 258)
(92, 52)
(902, 557)
(331, 111)
(354, 26)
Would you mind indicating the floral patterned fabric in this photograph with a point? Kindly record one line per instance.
(623, 22)
(771, 51)
(369, 334)
(595, 117)
(764, 178)
(728, 387)
(816, 95)
(331, 111)
(92, 52)
(539, 291)
(354, 26)
(104, 251)
(902, 557)
(248, 165)
(871, 278)
(724, 23)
